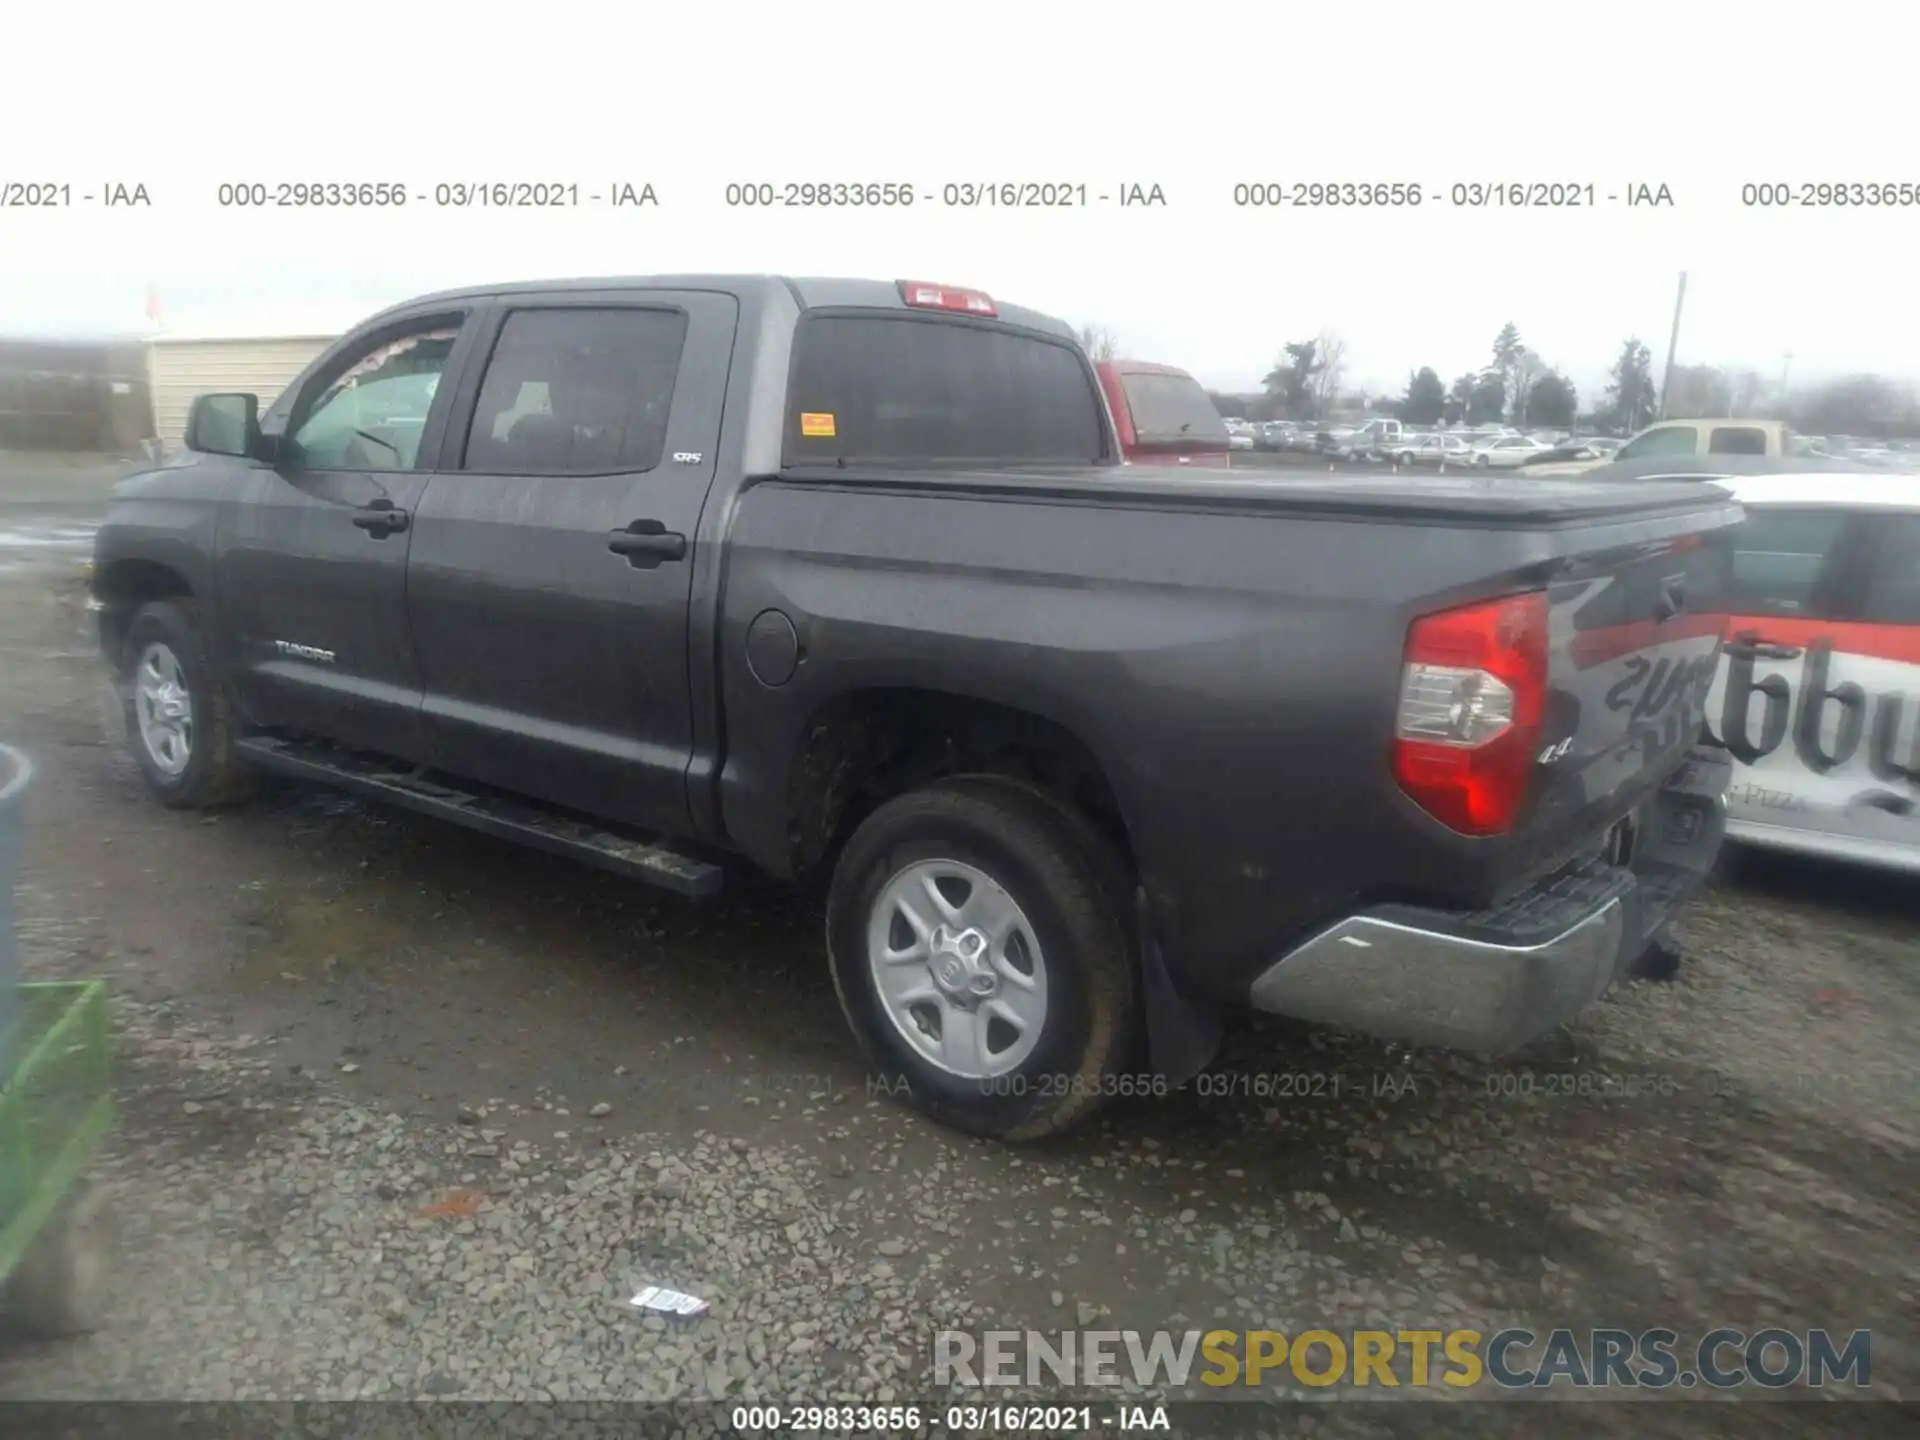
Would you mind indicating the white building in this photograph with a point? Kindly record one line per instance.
(252, 351)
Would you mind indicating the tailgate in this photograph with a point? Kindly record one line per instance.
(1634, 637)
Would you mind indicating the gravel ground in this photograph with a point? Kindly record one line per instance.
(333, 1020)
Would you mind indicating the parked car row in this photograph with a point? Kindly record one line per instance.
(1388, 440)
(1285, 435)
(1875, 454)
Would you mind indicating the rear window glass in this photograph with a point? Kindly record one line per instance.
(895, 388)
(1171, 407)
(1737, 440)
(1779, 557)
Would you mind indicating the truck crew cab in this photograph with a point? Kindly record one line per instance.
(844, 578)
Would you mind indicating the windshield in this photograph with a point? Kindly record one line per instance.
(1171, 407)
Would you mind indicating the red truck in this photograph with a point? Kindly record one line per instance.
(1163, 415)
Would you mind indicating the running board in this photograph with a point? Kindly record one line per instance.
(520, 820)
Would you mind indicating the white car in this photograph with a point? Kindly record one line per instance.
(1432, 450)
(1818, 689)
(1507, 453)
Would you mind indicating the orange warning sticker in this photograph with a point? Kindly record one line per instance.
(818, 425)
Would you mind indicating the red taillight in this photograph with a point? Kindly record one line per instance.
(1473, 693)
(924, 296)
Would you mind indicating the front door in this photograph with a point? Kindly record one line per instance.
(552, 558)
(313, 549)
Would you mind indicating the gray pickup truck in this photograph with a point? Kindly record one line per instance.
(844, 579)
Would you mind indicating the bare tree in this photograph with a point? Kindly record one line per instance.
(1524, 369)
(1100, 342)
(1330, 350)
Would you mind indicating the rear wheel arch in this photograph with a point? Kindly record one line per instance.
(862, 748)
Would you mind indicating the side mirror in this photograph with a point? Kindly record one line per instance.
(224, 425)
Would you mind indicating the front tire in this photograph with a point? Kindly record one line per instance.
(980, 949)
(180, 721)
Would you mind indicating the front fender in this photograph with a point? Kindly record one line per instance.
(159, 539)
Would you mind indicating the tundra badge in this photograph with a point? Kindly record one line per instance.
(304, 652)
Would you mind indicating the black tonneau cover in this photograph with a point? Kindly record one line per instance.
(1481, 499)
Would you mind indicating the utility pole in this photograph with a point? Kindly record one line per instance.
(1673, 343)
(1786, 367)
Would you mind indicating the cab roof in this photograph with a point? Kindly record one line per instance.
(1143, 367)
(809, 294)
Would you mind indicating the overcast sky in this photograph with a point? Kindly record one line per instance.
(1700, 98)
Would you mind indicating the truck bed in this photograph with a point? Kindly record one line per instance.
(1229, 648)
(1485, 500)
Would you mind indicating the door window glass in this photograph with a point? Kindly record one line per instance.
(371, 414)
(1737, 440)
(577, 391)
(1893, 585)
(1779, 559)
(1667, 440)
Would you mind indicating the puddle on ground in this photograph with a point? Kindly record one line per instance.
(292, 937)
(29, 546)
(55, 536)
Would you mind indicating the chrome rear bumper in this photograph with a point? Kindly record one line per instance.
(1494, 980)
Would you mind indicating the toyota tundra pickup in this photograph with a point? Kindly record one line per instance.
(844, 579)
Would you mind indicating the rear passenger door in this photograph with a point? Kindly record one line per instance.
(552, 557)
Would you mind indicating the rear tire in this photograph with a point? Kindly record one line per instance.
(181, 726)
(955, 852)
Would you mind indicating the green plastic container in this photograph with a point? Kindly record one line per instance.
(16, 775)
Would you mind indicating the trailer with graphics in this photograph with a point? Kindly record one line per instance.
(1818, 692)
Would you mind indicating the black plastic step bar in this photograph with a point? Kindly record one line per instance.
(509, 819)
